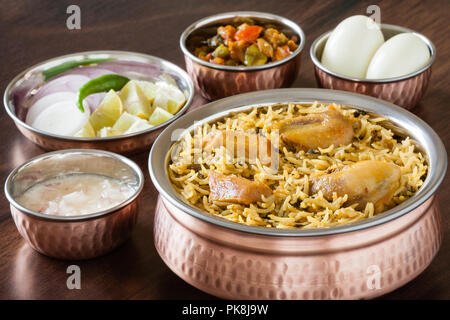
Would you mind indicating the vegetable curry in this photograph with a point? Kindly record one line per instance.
(245, 44)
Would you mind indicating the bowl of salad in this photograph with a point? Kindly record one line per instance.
(243, 51)
(112, 100)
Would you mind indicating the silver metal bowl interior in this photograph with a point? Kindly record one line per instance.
(70, 161)
(287, 26)
(400, 121)
(388, 31)
(183, 80)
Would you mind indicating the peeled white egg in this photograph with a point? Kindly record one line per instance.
(62, 118)
(400, 55)
(352, 45)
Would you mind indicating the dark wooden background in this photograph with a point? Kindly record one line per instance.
(32, 31)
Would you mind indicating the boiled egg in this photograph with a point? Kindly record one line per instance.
(400, 55)
(351, 46)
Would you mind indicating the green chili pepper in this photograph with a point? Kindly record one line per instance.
(101, 84)
(52, 72)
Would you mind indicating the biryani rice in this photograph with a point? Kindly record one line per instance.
(291, 205)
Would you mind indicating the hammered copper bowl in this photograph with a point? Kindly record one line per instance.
(365, 259)
(405, 91)
(130, 143)
(218, 81)
(75, 237)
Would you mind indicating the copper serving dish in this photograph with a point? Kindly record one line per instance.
(405, 91)
(365, 259)
(75, 237)
(129, 143)
(217, 81)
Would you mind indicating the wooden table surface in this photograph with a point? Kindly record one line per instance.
(32, 31)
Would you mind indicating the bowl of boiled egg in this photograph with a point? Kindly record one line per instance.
(111, 100)
(385, 61)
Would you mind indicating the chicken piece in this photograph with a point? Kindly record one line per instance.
(275, 37)
(265, 47)
(237, 50)
(236, 189)
(241, 144)
(365, 181)
(226, 32)
(318, 130)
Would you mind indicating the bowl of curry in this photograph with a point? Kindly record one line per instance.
(243, 51)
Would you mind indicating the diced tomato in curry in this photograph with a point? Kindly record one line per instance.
(236, 189)
(248, 33)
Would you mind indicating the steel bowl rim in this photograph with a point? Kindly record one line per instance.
(171, 66)
(434, 178)
(124, 160)
(401, 29)
(217, 17)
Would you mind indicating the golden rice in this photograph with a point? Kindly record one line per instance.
(291, 205)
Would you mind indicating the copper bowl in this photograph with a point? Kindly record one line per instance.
(129, 143)
(365, 259)
(75, 237)
(405, 91)
(217, 81)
